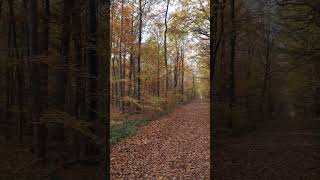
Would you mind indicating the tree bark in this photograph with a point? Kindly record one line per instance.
(233, 36)
(46, 26)
(265, 94)
(56, 133)
(121, 61)
(139, 57)
(77, 40)
(39, 129)
(92, 61)
(165, 47)
(182, 74)
(108, 59)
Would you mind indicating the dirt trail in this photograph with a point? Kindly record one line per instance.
(176, 145)
(280, 151)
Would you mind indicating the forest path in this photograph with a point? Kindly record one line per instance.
(280, 150)
(176, 145)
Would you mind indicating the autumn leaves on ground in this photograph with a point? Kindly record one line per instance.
(279, 149)
(175, 145)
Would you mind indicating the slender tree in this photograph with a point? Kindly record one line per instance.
(39, 129)
(121, 60)
(213, 55)
(139, 55)
(165, 46)
(108, 61)
(233, 37)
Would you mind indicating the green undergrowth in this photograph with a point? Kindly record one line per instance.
(126, 128)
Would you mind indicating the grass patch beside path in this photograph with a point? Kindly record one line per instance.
(125, 129)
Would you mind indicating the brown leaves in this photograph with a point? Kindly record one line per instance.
(176, 145)
(283, 150)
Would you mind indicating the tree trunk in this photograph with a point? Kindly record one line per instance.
(1, 8)
(233, 36)
(158, 72)
(175, 72)
(39, 129)
(46, 26)
(131, 65)
(92, 67)
(165, 47)
(139, 57)
(121, 61)
(56, 133)
(65, 48)
(76, 25)
(108, 58)
(214, 45)
(19, 71)
(264, 106)
(182, 74)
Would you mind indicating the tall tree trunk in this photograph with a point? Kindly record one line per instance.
(139, 56)
(39, 129)
(264, 106)
(43, 73)
(124, 78)
(65, 48)
(26, 27)
(158, 72)
(56, 133)
(1, 8)
(193, 94)
(175, 72)
(223, 61)
(213, 54)
(131, 69)
(121, 61)
(11, 47)
(46, 26)
(233, 36)
(182, 73)
(114, 85)
(108, 59)
(12, 39)
(92, 61)
(165, 47)
(9, 69)
(76, 29)
(19, 72)
(131, 65)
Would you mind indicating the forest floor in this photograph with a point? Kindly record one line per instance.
(278, 150)
(175, 145)
(18, 162)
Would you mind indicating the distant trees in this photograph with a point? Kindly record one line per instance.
(299, 43)
(149, 57)
(261, 48)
